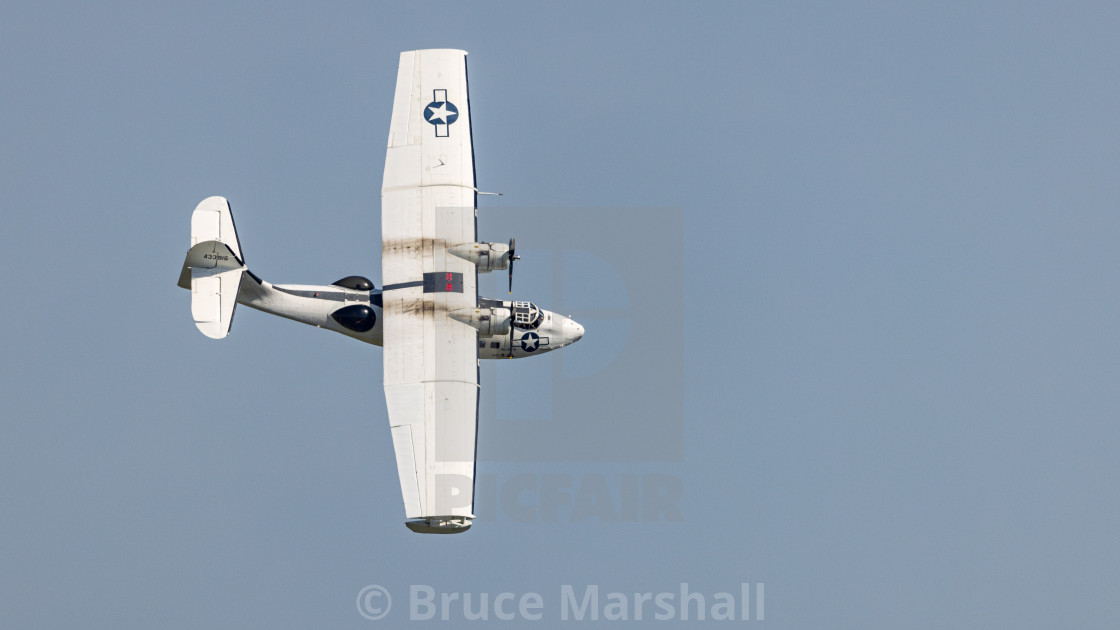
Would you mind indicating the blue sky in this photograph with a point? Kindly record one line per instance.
(895, 269)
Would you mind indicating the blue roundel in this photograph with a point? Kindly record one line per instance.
(530, 341)
(441, 113)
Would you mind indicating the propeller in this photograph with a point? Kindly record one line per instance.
(512, 257)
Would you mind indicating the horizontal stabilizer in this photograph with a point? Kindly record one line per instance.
(215, 278)
(213, 268)
(213, 300)
(213, 221)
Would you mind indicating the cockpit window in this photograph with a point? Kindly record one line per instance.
(526, 315)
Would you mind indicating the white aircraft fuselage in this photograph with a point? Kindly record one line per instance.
(356, 312)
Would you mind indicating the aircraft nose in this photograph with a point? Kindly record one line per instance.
(576, 330)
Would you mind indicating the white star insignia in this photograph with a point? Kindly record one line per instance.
(440, 113)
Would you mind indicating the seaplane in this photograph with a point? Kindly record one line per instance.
(427, 316)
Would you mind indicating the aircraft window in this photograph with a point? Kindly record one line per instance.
(359, 317)
(526, 315)
(495, 344)
(482, 344)
(358, 283)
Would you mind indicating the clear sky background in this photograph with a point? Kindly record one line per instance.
(899, 287)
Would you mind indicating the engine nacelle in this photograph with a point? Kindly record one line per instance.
(487, 256)
(488, 321)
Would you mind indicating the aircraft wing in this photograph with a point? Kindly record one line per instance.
(431, 361)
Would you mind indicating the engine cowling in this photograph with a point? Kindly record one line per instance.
(488, 321)
(487, 256)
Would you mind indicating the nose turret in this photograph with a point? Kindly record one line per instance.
(534, 331)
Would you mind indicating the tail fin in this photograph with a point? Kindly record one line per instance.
(213, 268)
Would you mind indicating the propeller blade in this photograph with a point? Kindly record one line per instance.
(512, 257)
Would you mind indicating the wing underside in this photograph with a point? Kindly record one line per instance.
(430, 360)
